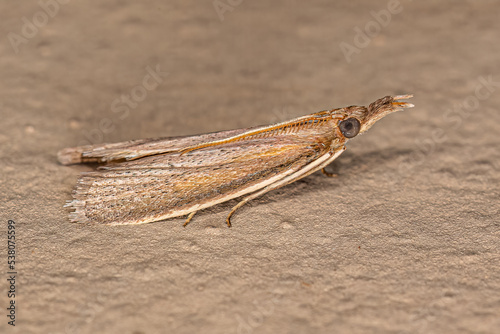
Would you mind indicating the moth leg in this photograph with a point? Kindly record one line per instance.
(287, 180)
(270, 187)
(189, 217)
(236, 207)
(323, 170)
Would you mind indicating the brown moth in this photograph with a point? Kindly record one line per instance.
(144, 181)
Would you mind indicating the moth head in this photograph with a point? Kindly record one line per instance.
(356, 120)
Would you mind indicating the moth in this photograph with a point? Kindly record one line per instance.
(149, 180)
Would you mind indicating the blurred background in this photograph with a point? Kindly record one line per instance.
(405, 240)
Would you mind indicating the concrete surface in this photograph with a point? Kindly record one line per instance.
(405, 240)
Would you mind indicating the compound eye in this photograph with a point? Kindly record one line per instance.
(350, 127)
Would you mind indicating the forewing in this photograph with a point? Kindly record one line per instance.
(172, 184)
(135, 149)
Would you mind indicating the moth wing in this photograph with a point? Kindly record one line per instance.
(168, 185)
(134, 149)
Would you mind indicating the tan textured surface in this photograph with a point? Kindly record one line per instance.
(406, 240)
